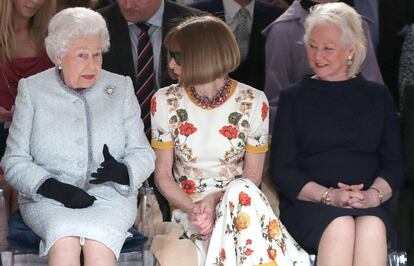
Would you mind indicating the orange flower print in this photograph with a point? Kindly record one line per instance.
(153, 105)
(187, 129)
(265, 109)
(242, 221)
(271, 253)
(222, 255)
(229, 132)
(244, 199)
(273, 228)
(188, 186)
(248, 252)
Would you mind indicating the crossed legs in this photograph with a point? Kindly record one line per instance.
(66, 252)
(349, 241)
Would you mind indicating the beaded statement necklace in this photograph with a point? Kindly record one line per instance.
(221, 96)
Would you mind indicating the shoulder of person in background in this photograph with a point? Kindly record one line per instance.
(283, 4)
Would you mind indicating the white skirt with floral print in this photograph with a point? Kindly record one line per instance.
(247, 232)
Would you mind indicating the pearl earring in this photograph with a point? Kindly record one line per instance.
(349, 61)
(59, 67)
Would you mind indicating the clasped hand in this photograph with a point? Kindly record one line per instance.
(354, 196)
(203, 215)
(110, 170)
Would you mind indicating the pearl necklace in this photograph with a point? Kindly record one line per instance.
(221, 96)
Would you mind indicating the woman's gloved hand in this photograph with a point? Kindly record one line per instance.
(111, 170)
(69, 195)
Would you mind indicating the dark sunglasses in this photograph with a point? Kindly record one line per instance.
(176, 56)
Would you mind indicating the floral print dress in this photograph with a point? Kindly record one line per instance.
(209, 146)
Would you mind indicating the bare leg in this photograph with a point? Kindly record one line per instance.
(65, 252)
(336, 247)
(370, 242)
(97, 254)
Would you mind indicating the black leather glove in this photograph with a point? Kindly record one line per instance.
(71, 196)
(111, 170)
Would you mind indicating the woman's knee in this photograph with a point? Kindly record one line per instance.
(370, 226)
(238, 185)
(95, 250)
(340, 228)
(68, 245)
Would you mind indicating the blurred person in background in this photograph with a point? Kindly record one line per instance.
(23, 27)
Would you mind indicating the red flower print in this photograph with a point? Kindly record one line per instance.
(153, 105)
(244, 199)
(248, 242)
(229, 132)
(271, 253)
(222, 255)
(265, 109)
(187, 129)
(188, 186)
(248, 252)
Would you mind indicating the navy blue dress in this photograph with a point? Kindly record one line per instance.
(330, 132)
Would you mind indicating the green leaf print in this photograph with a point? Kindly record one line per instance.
(182, 114)
(234, 118)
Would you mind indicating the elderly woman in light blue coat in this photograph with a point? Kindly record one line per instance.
(76, 152)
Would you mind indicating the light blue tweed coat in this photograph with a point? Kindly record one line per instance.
(58, 132)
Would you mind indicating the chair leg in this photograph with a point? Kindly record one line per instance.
(12, 258)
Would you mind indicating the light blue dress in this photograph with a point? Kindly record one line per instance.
(58, 132)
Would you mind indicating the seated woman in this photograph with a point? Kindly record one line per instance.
(336, 152)
(210, 136)
(68, 121)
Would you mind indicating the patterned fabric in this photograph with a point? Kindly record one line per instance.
(145, 78)
(209, 147)
(226, 132)
(406, 74)
(242, 32)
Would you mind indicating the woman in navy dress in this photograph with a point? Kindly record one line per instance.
(336, 152)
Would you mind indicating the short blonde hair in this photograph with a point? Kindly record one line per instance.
(71, 24)
(208, 49)
(348, 21)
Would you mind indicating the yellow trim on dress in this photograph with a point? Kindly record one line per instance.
(162, 145)
(233, 87)
(255, 149)
(270, 263)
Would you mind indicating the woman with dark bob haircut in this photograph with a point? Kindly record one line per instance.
(210, 135)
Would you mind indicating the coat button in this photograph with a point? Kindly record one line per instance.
(81, 164)
(77, 102)
(80, 141)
